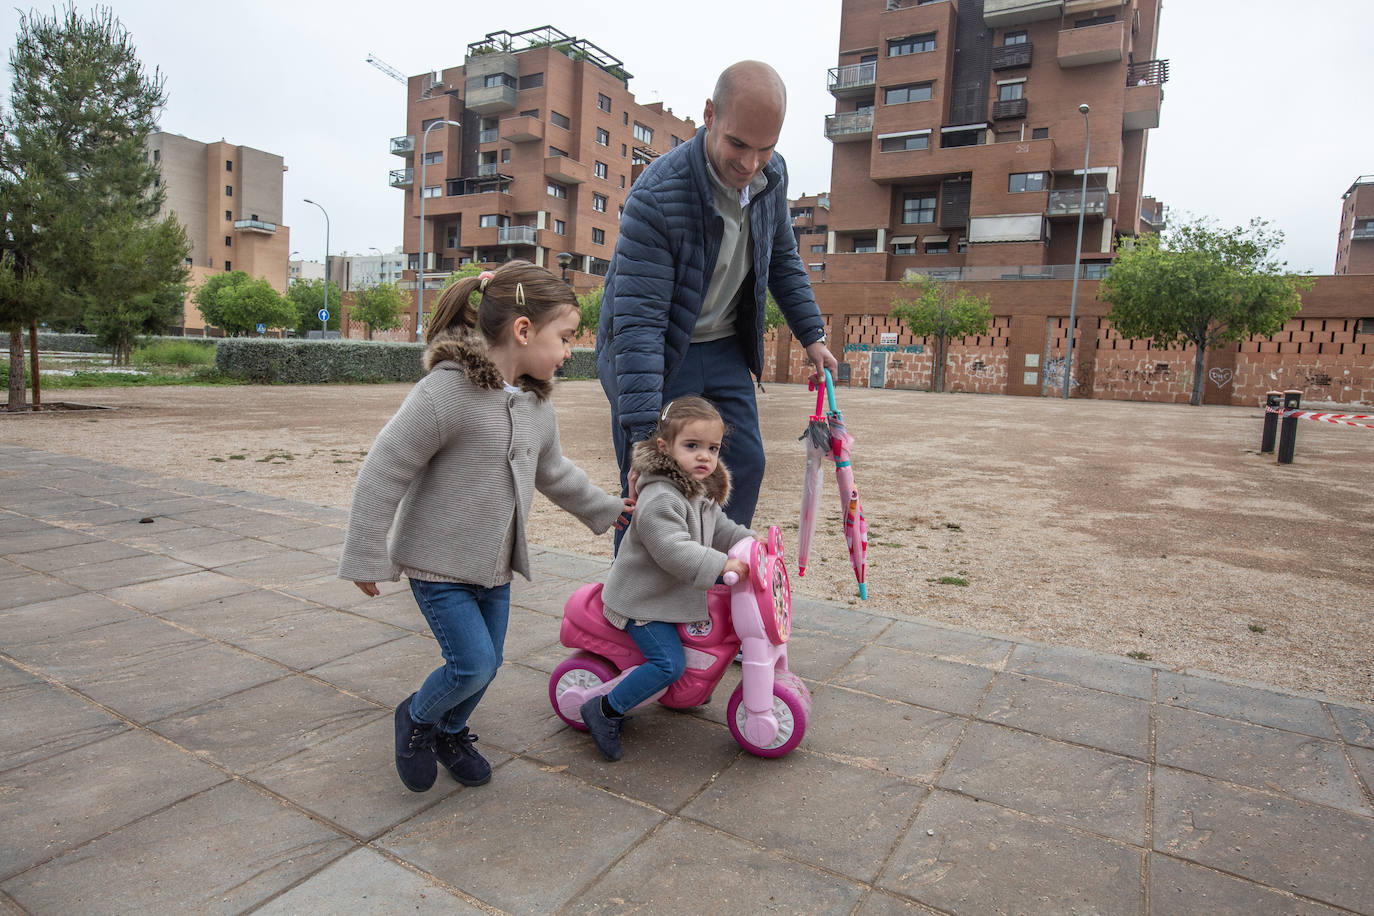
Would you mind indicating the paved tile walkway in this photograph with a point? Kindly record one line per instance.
(197, 716)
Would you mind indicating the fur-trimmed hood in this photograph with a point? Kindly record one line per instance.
(650, 462)
(470, 352)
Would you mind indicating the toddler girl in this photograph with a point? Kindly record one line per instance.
(455, 470)
(673, 550)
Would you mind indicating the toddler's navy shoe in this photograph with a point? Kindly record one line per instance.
(605, 729)
(415, 756)
(460, 758)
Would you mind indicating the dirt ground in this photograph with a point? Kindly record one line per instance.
(1113, 526)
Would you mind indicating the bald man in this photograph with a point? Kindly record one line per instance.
(706, 234)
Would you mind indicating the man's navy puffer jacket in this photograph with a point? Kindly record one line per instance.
(670, 236)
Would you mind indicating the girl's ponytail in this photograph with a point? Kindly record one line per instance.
(454, 309)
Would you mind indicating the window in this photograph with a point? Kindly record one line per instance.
(624, 117)
(1014, 38)
(951, 139)
(434, 191)
(622, 181)
(228, 214)
(530, 113)
(866, 244)
(914, 92)
(905, 142)
(674, 140)
(1040, 133)
(505, 155)
(918, 208)
(532, 81)
(498, 80)
(559, 120)
(228, 165)
(603, 136)
(228, 190)
(598, 236)
(434, 158)
(555, 151)
(644, 134)
(599, 203)
(157, 155)
(818, 249)
(1026, 181)
(451, 236)
(424, 125)
(603, 101)
(1093, 20)
(912, 44)
(557, 190)
(560, 227)
(228, 240)
(228, 265)
(905, 245)
(941, 247)
(1006, 92)
(623, 150)
(490, 220)
(599, 170)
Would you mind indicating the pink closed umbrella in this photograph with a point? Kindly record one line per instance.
(855, 528)
(817, 440)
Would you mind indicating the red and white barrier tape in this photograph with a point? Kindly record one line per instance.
(1344, 419)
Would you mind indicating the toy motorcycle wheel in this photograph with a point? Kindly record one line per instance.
(791, 707)
(572, 681)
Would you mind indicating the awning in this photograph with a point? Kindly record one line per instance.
(1017, 227)
(904, 240)
(935, 238)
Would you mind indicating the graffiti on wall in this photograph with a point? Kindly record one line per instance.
(980, 369)
(1054, 374)
(1220, 377)
(884, 348)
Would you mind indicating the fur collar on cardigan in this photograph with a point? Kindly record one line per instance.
(649, 461)
(470, 352)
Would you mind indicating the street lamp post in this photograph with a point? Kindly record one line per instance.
(324, 322)
(420, 274)
(1077, 249)
(564, 260)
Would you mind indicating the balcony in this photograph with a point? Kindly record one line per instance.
(1005, 109)
(402, 178)
(490, 87)
(1141, 108)
(1065, 202)
(1093, 44)
(403, 146)
(490, 135)
(487, 169)
(516, 235)
(521, 130)
(853, 80)
(255, 225)
(1359, 234)
(1010, 57)
(1001, 14)
(1153, 218)
(565, 169)
(848, 126)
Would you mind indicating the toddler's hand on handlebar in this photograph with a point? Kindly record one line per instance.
(734, 571)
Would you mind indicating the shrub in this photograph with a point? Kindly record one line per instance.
(314, 362)
(175, 352)
(582, 364)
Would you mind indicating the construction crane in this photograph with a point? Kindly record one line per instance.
(386, 68)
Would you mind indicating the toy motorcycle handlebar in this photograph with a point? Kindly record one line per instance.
(730, 578)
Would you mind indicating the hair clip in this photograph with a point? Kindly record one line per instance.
(664, 415)
(483, 279)
(520, 294)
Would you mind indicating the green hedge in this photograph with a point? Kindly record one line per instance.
(313, 362)
(86, 343)
(582, 364)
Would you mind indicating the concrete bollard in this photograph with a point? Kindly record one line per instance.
(1273, 403)
(1288, 432)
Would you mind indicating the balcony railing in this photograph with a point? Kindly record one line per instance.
(516, 235)
(1003, 109)
(1148, 73)
(403, 146)
(1066, 202)
(254, 225)
(1009, 57)
(849, 125)
(1366, 233)
(853, 79)
(485, 169)
(1091, 270)
(402, 178)
(490, 135)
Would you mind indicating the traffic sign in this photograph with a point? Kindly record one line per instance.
(323, 314)
(261, 327)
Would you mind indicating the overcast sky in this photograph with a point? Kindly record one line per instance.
(1265, 114)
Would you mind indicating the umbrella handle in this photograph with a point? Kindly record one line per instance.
(820, 390)
(830, 391)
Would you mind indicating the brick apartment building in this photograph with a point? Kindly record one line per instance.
(810, 215)
(549, 142)
(959, 144)
(229, 199)
(1355, 241)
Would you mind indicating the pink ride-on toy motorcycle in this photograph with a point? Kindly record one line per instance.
(768, 711)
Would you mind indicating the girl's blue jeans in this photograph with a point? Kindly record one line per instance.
(664, 662)
(469, 622)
